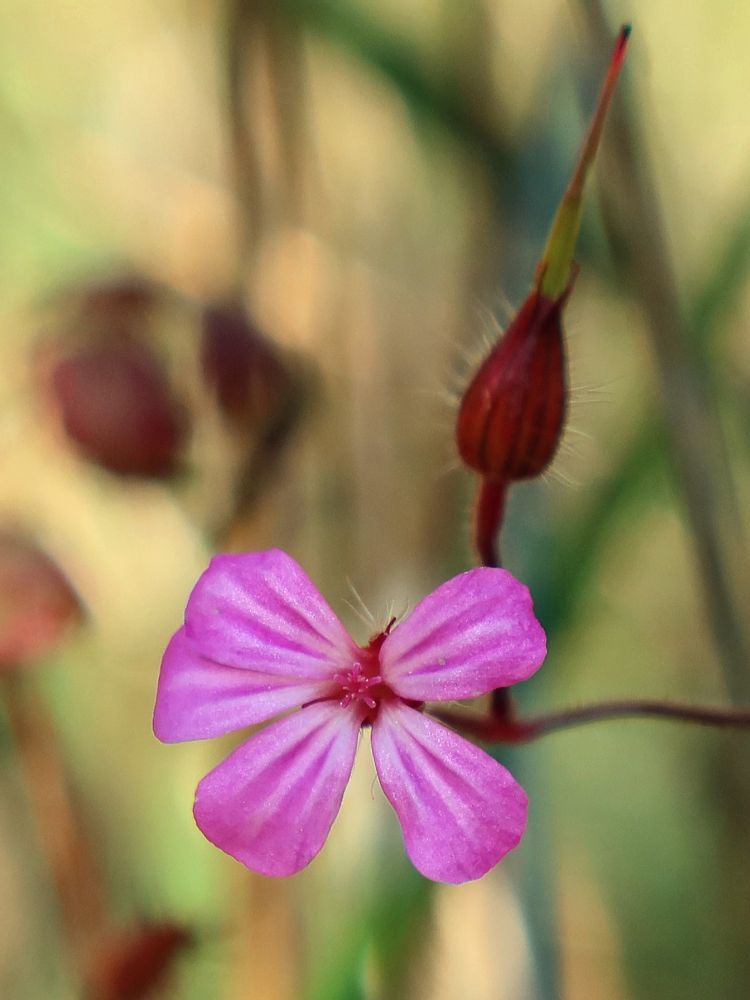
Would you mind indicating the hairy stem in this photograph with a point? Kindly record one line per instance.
(494, 729)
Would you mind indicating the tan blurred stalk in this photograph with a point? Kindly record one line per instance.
(266, 945)
(60, 835)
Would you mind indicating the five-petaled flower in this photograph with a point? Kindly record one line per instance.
(259, 640)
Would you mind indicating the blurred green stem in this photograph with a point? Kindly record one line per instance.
(702, 472)
(633, 217)
(438, 96)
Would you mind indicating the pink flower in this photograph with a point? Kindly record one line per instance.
(259, 640)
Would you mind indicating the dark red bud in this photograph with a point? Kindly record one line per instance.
(115, 403)
(245, 368)
(37, 604)
(121, 300)
(511, 416)
(136, 963)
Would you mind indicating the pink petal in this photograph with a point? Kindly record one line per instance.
(460, 810)
(197, 698)
(475, 633)
(260, 611)
(271, 803)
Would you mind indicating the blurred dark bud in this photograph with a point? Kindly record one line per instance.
(261, 390)
(245, 368)
(37, 604)
(109, 387)
(136, 963)
(512, 414)
(115, 403)
(118, 302)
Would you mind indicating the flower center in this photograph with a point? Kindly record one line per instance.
(361, 684)
(357, 685)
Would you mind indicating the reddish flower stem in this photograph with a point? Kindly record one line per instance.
(507, 729)
(488, 516)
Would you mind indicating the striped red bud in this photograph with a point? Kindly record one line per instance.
(512, 414)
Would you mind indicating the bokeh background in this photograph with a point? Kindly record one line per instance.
(344, 200)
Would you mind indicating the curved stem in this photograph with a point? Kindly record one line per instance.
(494, 729)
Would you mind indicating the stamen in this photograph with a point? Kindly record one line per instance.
(355, 685)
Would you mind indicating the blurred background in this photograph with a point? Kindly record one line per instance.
(249, 253)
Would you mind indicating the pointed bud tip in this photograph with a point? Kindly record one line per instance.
(621, 44)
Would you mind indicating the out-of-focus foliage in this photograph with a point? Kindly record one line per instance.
(367, 183)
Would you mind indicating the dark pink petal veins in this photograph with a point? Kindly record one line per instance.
(460, 810)
(260, 611)
(475, 633)
(197, 698)
(271, 803)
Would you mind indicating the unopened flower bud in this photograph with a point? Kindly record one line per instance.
(117, 303)
(512, 414)
(115, 403)
(37, 604)
(245, 368)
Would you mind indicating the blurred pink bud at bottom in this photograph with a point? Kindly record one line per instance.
(135, 963)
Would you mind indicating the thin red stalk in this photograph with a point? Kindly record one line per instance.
(490, 505)
(492, 729)
(501, 704)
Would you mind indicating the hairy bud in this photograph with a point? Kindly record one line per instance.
(512, 413)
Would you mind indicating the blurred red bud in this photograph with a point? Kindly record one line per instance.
(246, 369)
(116, 405)
(117, 301)
(37, 604)
(136, 963)
(511, 416)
